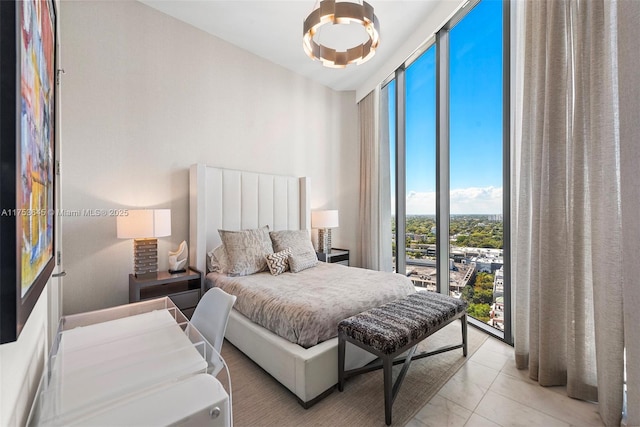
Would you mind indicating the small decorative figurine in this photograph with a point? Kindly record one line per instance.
(178, 259)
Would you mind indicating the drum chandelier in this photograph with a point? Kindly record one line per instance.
(330, 12)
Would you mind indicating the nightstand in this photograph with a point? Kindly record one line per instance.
(184, 289)
(337, 256)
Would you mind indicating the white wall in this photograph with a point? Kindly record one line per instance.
(21, 364)
(143, 97)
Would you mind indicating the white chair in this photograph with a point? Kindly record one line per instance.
(211, 315)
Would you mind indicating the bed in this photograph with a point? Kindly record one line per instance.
(238, 200)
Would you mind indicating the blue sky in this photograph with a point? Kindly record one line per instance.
(475, 118)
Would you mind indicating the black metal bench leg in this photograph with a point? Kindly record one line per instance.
(387, 367)
(341, 351)
(463, 319)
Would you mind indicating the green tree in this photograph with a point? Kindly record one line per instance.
(467, 293)
(462, 240)
(479, 311)
(484, 279)
(483, 296)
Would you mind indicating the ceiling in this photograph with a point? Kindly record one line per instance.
(273, 30)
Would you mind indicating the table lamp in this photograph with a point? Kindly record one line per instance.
(144, 226)
(324, 221)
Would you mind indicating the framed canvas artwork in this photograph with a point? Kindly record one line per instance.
(27, 163)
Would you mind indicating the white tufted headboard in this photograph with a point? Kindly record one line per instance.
(235, 200)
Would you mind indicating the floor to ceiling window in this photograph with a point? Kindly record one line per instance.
(475, 161)
(446, 129)
(420, 170)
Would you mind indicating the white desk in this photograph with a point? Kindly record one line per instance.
(142, 369)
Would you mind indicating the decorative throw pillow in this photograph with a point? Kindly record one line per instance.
(246, 250)
(212, 264)
(299, 262)
(217, 260)
(278, 262)
(298, 240)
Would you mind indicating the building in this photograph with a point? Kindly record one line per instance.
(498, 283)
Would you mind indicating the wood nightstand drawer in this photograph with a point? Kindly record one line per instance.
(186, 299)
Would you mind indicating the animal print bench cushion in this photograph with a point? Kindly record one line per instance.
(392, 326)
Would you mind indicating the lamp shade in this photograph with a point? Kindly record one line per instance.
(324, 219)
(144, 223)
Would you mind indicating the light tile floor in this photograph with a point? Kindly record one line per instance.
(489, 391)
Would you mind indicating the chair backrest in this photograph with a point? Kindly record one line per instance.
(211, 315)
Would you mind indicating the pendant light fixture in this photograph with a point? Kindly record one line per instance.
(330, 12)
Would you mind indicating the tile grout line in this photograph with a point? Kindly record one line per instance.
(530, 407)
(473, 411)
(468, 359)
(482, 416)
(541, 409)
(485, 393)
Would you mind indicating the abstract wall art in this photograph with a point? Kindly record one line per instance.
(27, 158)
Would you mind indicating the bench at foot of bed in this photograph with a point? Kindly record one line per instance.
(392, 329)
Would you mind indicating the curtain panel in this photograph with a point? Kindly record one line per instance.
(569, 274)
(628, 14)
(375, 204)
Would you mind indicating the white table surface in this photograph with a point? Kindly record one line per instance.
(131, 363)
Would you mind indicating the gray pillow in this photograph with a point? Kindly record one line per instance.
(217, 260)
(246, 250)
(299, 262)
(298, 240)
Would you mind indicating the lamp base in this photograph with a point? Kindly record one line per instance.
(324, 240)
(182, 270)
(145, 256)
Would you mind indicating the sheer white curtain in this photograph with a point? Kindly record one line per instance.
(375, 205)
(568, 195)
(629, 89)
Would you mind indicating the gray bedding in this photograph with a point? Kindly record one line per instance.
(306, 307)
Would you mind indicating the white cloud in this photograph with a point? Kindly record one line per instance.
(471, 200)
(487, 200)
(421, 203)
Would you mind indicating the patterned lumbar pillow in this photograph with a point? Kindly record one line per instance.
(278, 262)
(298, 240)
(299, 262)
